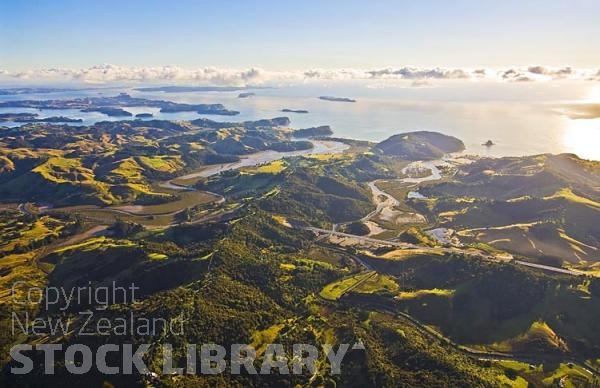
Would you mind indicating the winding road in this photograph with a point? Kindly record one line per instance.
(391, 202)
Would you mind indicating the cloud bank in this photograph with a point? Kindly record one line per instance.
(107, 74)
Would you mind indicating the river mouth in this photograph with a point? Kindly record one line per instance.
(390, 212)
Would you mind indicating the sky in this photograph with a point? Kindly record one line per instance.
(286, 35)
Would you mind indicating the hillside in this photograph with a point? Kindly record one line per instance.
(119, 162)
(421, 145)
(227, 238)
(544, 206)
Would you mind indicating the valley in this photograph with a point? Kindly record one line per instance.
(300, 194)
(419, 252)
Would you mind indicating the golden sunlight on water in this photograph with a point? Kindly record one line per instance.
(593, 95)
(582, 137)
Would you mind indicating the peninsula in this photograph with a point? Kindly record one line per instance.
(98, 104)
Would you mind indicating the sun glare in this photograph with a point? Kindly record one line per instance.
(582, 137)
(593, 95)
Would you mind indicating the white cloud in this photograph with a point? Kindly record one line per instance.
(513, 75)
(414, 73)
(254, 76)
(595, 77)
(563, 72)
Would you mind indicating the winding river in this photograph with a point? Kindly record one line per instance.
(262, 157)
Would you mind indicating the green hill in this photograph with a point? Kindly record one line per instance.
(420, 145)
(545, 206)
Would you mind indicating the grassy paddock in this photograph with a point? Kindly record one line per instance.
(335, 290)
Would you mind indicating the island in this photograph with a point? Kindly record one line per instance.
(245, 95)
(188, 89)
(52, 119)
(336, 99)
(33, 118)
(488, 143)
(144, 115)
(17, 91)
(294, 110)
(109, 111)
(16, 116)
(91, 104)
(323, 130)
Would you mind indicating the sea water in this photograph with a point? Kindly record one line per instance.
(520, 118)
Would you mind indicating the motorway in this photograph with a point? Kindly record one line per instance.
(478, 254)
(434, 335)
(391, 202)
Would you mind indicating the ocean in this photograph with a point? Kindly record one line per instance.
(520, 118)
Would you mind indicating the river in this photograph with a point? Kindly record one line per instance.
(258, 158)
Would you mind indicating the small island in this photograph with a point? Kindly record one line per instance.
(294, 110)
(52, 119)
(336, 99)
(323, 130)
(488, 143)
(109, 111)
(144, 115)
(245, 95)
